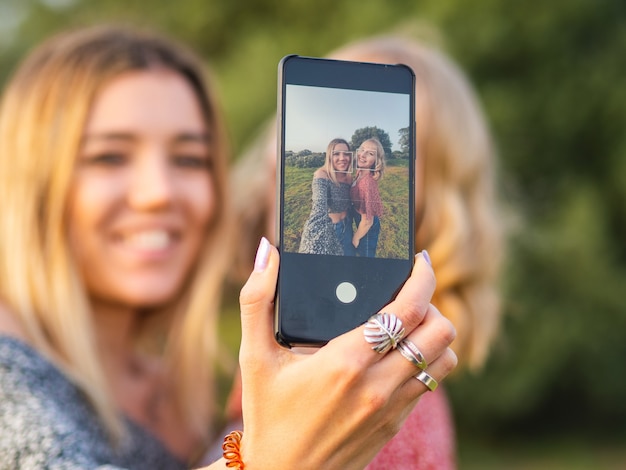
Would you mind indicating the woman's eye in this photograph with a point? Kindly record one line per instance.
(192, 161)
(108, 159)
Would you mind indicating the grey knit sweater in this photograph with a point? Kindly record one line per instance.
(47, 423)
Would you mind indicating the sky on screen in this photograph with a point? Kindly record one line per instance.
(315, 115)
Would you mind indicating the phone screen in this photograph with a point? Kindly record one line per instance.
(346, 165)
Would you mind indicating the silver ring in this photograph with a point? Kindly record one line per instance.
(411, 352)
(427, 380)
(383, 331)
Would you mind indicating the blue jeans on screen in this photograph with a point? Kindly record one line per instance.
(367, 244)
(344, 232)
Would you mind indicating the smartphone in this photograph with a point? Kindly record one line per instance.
(345, 185)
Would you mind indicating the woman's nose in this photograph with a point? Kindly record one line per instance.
(152, 185)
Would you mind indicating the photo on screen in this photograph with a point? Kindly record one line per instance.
(346, 172)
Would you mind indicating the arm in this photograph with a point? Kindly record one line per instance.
(318, 233)
(319, 196)
(371, 206)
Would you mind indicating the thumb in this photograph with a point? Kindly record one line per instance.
(256, 301)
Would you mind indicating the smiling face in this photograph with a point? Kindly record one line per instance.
(142, 195)
(366, 155)
(341, 158)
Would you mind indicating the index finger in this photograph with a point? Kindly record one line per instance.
(413, 300)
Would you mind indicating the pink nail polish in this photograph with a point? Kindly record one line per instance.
(262, 255)
(427, 258)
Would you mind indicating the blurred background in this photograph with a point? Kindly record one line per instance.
(552, 78)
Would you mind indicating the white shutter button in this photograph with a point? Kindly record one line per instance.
(346, 292)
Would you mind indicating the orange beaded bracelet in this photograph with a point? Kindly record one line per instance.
(232, 451)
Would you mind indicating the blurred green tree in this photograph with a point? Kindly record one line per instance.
(403, 142)
(364, 133)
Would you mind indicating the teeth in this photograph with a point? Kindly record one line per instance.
(153, 240)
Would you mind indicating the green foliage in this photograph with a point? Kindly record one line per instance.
(551, 77)
(361, 135)
(305, 159)
(403, 141)
(563, 340)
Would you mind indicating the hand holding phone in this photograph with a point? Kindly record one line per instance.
(314, 402)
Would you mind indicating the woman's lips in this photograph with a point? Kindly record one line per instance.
(146, 245)
(149, 240)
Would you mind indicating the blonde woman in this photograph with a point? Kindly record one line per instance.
(112, 167)
(113, 243)
(457, 221)
(328, 230)
(368, 207)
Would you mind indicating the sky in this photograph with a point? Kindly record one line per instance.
(315, 115)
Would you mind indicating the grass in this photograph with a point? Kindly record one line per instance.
(394, 193)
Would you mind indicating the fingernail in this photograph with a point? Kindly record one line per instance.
(262, 255)
(427, 258)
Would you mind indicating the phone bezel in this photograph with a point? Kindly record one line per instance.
(330, 73)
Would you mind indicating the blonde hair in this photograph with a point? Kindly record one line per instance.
(42, 117)
(250, 181)
(458, 222)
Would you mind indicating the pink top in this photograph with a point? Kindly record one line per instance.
(426, 441)
(365, 196)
